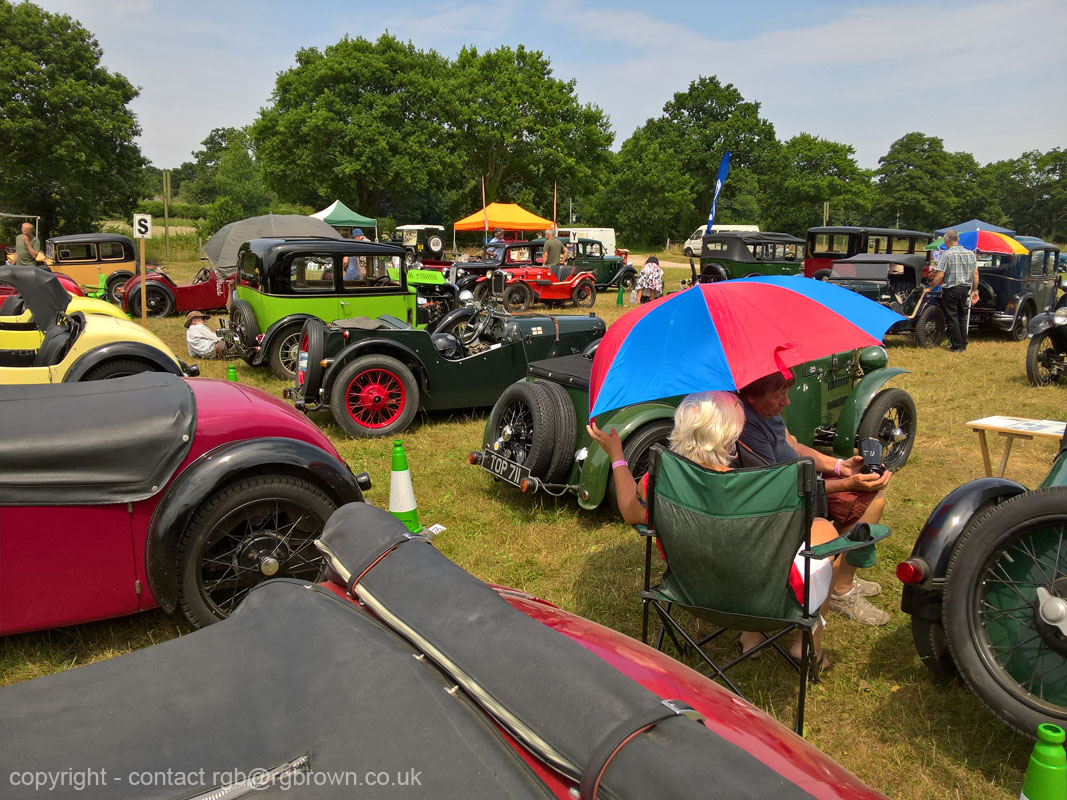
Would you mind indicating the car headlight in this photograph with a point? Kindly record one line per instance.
(466, 296)
(1060, 316)
(421, 301)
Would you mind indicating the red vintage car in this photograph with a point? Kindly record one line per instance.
(68, 283)
(209, 291)
(119, 496)
(405, 673)
(527, 285)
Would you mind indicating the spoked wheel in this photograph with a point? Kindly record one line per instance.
(517, 298)
(254, 529)
(374, 396)
(1005, 609)
(627, 281)
(522, 427)
(930, 327)
(890, 418)
(1044, 361)
(285, 352)
(1022, 322)
(481, 292)
(584, 294)
(158, 303)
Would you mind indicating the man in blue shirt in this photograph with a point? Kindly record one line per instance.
(957, 270)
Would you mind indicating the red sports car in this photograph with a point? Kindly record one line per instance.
(409, 675)
(209, 291)
(117, 496)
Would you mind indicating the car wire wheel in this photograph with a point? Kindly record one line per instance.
(584, 294)
(284, 352)
(890, 418)
(1005, 595)
(1044, 360)
(374, 396)
(522, 427)
(517, 298)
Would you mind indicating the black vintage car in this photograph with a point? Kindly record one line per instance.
(895, 281)
(1046, 355)
(375, 374)
(745, 254)
(1012, 289)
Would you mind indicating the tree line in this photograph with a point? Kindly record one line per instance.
(401, 133)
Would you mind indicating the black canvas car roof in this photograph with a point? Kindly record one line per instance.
(41, 292)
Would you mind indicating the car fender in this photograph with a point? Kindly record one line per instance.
(852, 411)
(597, 467)
(939, 535)
(272, 331)
(134, 285)
(138, 350)
(367, 347)
(621, 273)
(714, 268)
(218, 467)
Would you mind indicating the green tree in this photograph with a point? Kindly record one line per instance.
(916, 184)
(67, 149)
(976, 191)
(355, 122)
(196, 179)
(523, 130)
(807, 172)
(1033, 192)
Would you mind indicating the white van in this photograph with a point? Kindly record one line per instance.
(692, 245)
(606, 236)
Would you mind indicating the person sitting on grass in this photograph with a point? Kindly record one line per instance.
(201, 340)
(707, 426)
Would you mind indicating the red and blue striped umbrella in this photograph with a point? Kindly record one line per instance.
(727, 334)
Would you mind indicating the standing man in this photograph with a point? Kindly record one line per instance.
(555, 250)
(498, 239)
(355, 268)
(958, 271)
(27, 246)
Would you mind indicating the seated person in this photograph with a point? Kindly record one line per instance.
(201, 340)
(852, 496)
(706, 429)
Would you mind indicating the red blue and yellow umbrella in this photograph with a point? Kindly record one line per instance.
(990, 242)
(725, 335)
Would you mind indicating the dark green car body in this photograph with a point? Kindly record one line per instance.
(836, 401)
(744, 254)
(589, 255)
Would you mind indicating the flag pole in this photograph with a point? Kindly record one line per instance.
(485, 213)
(553, 204)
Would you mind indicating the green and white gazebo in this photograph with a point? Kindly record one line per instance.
(344, 219)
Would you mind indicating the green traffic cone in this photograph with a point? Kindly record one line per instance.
(1046, 776)
(231, 373)
(618, 299)
(401, 492)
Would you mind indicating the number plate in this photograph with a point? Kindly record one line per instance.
(507, 471)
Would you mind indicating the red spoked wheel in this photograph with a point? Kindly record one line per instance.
(374, 396)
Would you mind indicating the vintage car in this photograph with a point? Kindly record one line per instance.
(745, 254)
(444, 686)
(1046, 355)
(86, 257)
(828, 244)
(172, 493)
(986, 588)
(895, 281)
(209, 291)
(420, 242)
(533, 440)
(69, 347)
(281, 283)
(609, 271)
(374, 375)
(500, 255)
(20, 330)
(1012, 289)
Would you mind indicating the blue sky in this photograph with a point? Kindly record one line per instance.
(987, 76)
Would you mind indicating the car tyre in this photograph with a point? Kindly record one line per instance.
(373, 396)
(118, 368)
(481, 292)
(636, 450)
(566, 431)
(1038, 353)
(930, 327)
(523, 422)
(932, 647)
(627, 281)
(115, 283)
(1007, 655)
(583, 295)
(243, 319)
(284, 352)
(517, 298)
(158, 301)
(890, 418)
(248, 531)
(309, 369)
(688, 252)
(1022, 321)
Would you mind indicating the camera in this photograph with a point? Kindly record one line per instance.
(871, 450)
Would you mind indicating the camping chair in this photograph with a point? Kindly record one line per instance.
(729, 539)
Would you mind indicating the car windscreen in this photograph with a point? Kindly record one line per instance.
(852, 270)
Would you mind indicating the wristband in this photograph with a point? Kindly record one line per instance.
(837, 468)
(620, 463)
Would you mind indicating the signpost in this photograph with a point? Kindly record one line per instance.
(142, 229)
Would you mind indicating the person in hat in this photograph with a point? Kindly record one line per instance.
(353, 266)
(201, 340)
(498, 239)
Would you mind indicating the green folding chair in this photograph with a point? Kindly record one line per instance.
(729, 540)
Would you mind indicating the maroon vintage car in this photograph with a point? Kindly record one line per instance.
(209, 291)
(405, 673)
(68, 283)
(118, 496)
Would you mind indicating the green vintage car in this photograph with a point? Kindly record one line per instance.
(281, 283)
(536, 439)
(745, 254)
(609, 270)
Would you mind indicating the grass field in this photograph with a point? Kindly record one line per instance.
(879, 712)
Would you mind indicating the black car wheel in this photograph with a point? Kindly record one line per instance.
(522, 427)
(245, 327)
(930, 327)
(1005, 588)
(932, 646)
(1041, 357)
(627, 281)
(517, 298)
(636, 450)
(566, 431)
(481, 292)
(251, 530)
(284, 352)
(374, 396)
(310, 352)
(890, 418)
(584, 294)
(118, 368)
(115, 284)
(1022, 321)
(688, 252)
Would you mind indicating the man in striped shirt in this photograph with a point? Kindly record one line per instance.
(958, 271)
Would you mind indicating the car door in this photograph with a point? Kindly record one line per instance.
(62, 565)
(1042, 278)
(80, 262)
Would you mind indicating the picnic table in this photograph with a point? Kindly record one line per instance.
(1012, 428)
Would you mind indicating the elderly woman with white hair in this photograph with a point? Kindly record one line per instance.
(707, 426)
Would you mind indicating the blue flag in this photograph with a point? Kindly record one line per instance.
(724, 170)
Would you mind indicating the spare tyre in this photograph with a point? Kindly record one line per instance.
(566, 431)
(310, 352)
(522, 427)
